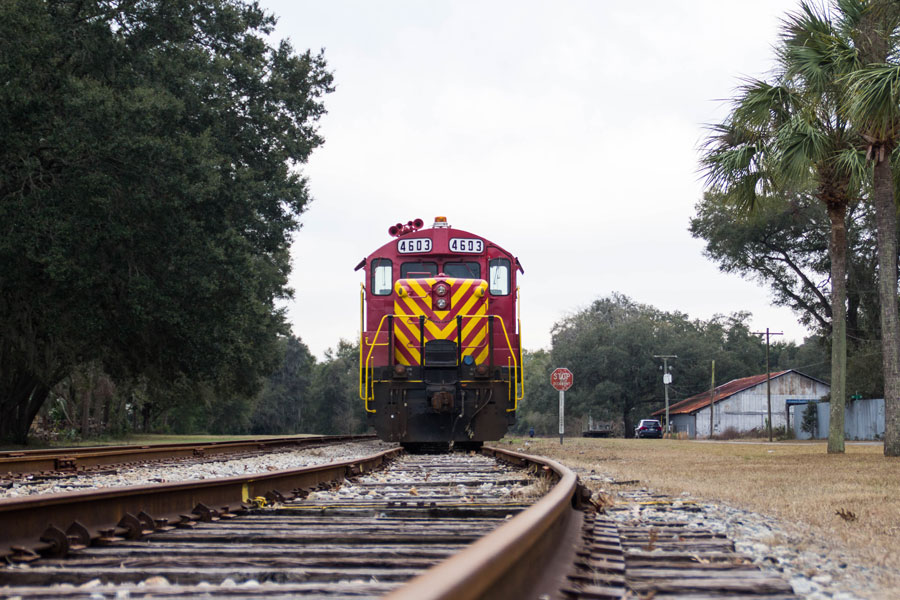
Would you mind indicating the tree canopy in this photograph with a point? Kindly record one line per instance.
(148, 192)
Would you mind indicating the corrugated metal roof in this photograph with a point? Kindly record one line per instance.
(701, 400)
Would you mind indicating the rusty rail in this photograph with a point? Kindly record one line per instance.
(51, 523)
(511, 561)
(70, 459)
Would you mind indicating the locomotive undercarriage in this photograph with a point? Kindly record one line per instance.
(430, 406)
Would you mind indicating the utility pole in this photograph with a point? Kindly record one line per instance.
(667, 379)
(767, 333)
(712, 398)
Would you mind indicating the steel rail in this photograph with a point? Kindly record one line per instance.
(71, 459)
(50, 522)
(510, 561)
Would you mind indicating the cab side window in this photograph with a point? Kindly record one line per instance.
(382, 276)
(499, 276)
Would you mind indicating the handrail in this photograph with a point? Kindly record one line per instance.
(365, 370)
(519, 327)
(515, 395)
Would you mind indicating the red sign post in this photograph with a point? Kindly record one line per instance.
(562, 379)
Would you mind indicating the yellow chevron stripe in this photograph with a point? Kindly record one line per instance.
(476, 337)
(460, 292)
(473, 323)
(414, 284)
(399, 356)
(481, 358)
(412, 305)
(437, 333)
(473, 345)
(410, 347)
(467, 308)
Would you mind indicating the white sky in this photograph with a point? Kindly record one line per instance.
(566, 132)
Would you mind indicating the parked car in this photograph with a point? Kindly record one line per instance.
(648, 428)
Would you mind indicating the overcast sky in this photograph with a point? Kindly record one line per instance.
(566, 132)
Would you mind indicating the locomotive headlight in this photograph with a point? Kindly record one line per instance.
(441, 289)
(441, 303)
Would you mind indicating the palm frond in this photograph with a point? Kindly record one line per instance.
(762, 104)
(851, 163)
(850, 14)
(815, 47)
(733, 162)
(873, 101)
(801, 145)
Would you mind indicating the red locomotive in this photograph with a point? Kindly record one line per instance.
(440, 353)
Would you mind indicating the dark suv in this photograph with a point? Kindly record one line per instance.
(648, 428)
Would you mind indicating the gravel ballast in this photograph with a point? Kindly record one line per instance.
(814, 568)
(191, 470)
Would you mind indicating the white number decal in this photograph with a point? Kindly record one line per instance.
(466, 245)
(414, 245)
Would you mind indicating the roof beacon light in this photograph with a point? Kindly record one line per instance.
(440, 222)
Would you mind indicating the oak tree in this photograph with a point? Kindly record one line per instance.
(148, 191)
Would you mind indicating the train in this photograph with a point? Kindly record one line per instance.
(440, 348)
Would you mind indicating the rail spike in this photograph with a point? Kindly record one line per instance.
(205, 513)
(148, 522)
(79, 536)
(273, 496)
(57, 541)
(132, 525)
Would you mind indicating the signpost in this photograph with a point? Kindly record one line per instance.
(562, 379)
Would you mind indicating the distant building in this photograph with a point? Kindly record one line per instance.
(741, 404)
(863, 420)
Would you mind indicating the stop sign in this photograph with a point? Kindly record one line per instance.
(562, 379)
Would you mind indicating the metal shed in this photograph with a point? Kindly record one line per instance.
(741, 404)
(863, 420)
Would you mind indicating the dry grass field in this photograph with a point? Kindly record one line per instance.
(793, 481)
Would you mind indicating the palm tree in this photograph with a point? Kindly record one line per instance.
(872, 75)
(786, 136)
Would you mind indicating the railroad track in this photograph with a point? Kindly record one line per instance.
(66, 461)
(363, 539)
(431, 527)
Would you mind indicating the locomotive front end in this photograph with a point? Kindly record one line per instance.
(440, 355)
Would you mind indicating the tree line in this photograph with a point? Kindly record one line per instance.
(304, 395)
(610, 347)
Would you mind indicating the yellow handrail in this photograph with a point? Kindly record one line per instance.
(515, 375)
(363, 391)
(365, 370)
(364, 366)
(519, 326)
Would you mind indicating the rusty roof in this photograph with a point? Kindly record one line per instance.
(701, 400)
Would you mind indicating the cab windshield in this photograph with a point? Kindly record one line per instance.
(463, 270)
(413, 270)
